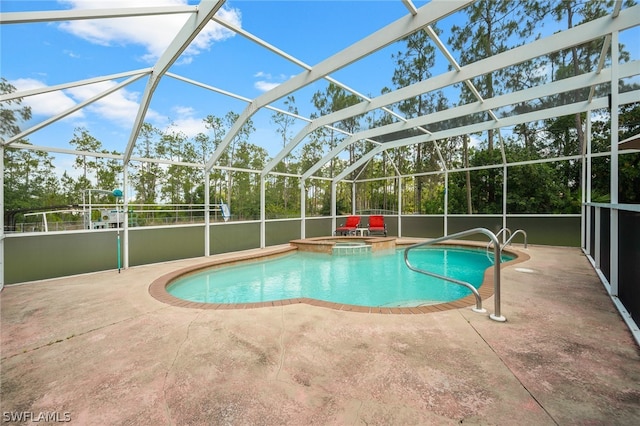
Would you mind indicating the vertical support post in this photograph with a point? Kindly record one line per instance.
(399, 206)
(262, 212)
(119, 243)
(333, 205)
(596, 255)
(207, 214)
(613, 280)
(446, 203)
(303, 209)
(125, 206)
(2, 206)
(504, 202)
(90, 221)
(353, 197)
(118, 195)
(585, 218)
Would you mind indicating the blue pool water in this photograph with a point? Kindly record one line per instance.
(372, 279)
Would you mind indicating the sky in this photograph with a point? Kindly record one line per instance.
(45, 54)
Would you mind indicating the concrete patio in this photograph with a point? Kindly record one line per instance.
(98, 349)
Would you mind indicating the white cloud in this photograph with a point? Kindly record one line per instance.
(120, 107)
(268, 81)
(70, 53)
(186, 122)
(265, 86)
(154, 33)
(46, 104)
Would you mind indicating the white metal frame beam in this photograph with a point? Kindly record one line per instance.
(568, 84)
(195, 23)
(82, 14)
(64, 86)
(559, 111)
(72, 109)
(576, 35)
(429, 13)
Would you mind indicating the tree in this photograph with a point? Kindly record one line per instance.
(84, 141)
(216, 126)
(414, 64)
(333, 99)
(11, 112)
(491, 26)
(29, 180)
(629, 166)
(147, 175)
(284, 122)
(108, 172)
(629, 162)
(241, 137)
(310, 154)
(567, 132)
(174, 146)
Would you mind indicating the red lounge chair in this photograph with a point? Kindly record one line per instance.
(349, 227)
(377, 225)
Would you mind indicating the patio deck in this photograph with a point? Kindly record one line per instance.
(98, 349)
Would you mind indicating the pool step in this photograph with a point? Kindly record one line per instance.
(349, 249)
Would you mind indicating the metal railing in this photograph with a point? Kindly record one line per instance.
(519, 231)
(507, 234)
(496, 316)
(507, 231)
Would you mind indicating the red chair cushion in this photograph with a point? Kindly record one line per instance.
(352, 222)
(376, 222)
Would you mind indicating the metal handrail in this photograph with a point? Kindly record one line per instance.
(513, 235)
(507, 233)
(506, 243)
(496, 316)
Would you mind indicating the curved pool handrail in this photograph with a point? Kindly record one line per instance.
(519, 231)
(478, 307)
(507, 234)
(496, 316)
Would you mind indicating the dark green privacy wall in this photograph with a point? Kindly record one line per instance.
(281, 232)
(548, 231)
(49, 255)
(42, 256)
(422, 226)
(153, 245)
(234, 237)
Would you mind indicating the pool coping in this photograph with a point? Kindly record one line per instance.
(158, 287)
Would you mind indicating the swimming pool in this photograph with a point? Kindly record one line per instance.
(370, 279)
